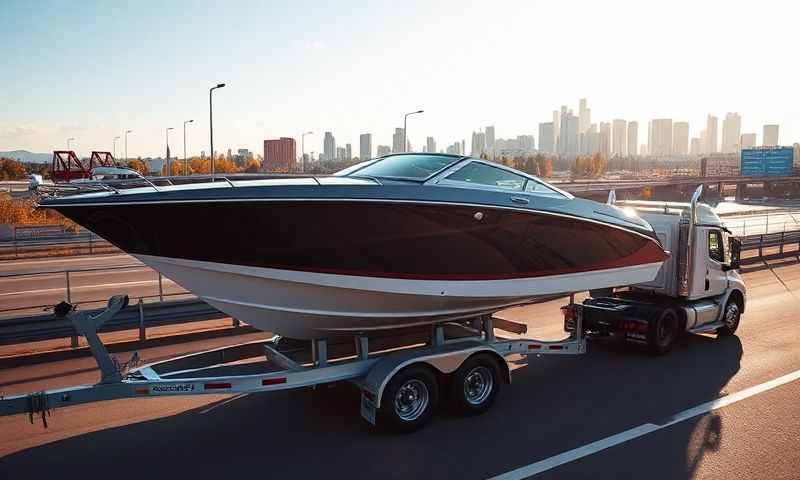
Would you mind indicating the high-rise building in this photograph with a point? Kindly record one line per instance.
(619, 137)
(568, 133)
(556, 128)
(546, 137)
(633, 138)
(280, 155)
(711, 135)
(659, 137)
(770, 138)
(703, 142)
(604, 139)
(397, 141)
(430, 145)
(591, 140)
(680, 138)
(348, 152)
(731, 133)
(696, 147)
(747, 140)
(341, 154)
(478, 144)
(328, 147)
(384, 150)
(365, 144)
(584, 116)
(490, 140)
(526, 143)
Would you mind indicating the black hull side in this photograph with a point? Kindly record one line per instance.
(369, 238)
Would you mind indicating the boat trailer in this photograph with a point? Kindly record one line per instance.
(399, 375)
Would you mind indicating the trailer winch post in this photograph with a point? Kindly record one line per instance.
(87, 325)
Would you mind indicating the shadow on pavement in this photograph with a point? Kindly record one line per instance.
(553, 405)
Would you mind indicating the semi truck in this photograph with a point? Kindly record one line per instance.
(697, 290)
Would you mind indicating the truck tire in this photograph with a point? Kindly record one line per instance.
(663, 331)
(730, 317)
(475, 385)
(410, 399)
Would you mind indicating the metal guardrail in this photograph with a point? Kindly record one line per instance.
(138, 316)
(56, 246)
(69, 276)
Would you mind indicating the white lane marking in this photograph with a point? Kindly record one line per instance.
(622, 437)
(85, 287)
(64, 260)
(241, 395)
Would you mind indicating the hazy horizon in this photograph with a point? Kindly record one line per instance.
(93, 69)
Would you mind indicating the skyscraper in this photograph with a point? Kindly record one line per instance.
(328, 147)
(546, 137)
(680, 138)
(478, 144)
(696, 147)
(490, 141)
(568, 133)
(556, 128)
(711, 135)
(365, 144)
(279, 155)
(604, 139)
(770, 136)
(748, 140)
(584, 116)
(731, 133)
(397, 141)
(348, 152)
(659, 137)
(430, 145)
(619, 138)
(633, 138)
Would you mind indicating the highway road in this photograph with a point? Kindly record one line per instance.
(31, 292)
(613, 413)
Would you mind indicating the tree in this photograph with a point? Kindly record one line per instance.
(201, 166)
(253, 166)
(139, 166)
(11, 169)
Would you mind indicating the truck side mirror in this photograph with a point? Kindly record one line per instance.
(735, 246)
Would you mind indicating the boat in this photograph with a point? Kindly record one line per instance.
(397, 241)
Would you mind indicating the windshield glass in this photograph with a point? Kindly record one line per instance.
(407, 166)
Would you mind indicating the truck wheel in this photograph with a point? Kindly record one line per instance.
(475, 385)
(663, 332)
(730, 318)
(409, 400)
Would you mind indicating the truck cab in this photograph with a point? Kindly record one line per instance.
(697, 289)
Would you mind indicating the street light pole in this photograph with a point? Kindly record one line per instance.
(185, 160)
(126, 145)
(69, 140)
(169, 170)
(211, 122)
(115, 147)
(303, 149)
(405, 129)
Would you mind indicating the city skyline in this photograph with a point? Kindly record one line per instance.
(285, 72)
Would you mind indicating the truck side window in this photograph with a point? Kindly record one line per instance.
(715, 250)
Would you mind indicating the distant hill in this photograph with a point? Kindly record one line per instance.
(26, 156)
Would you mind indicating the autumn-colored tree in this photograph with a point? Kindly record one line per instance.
(253, 166)
(11, 169)
(545, 166)
(224, 165)
(139, 166)
(200, 166)
(176, 168)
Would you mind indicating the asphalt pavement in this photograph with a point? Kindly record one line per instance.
(573, 413)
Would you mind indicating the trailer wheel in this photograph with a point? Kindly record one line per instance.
(663, 332)
(730, 318)
(475, 385)
(409, 400)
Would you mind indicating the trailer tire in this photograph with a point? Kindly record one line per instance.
(731, 318)
(663, 331)
(410, 399)
(475, 385)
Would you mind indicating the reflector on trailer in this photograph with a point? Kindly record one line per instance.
(216, 386)
(273, 381)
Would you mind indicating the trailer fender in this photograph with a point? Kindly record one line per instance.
(443, 362)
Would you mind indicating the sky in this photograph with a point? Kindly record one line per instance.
(92, 69)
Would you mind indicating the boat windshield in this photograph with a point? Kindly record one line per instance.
(415, 167)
